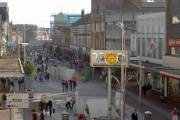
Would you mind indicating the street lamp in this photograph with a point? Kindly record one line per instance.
(123, 72)
(24, 48)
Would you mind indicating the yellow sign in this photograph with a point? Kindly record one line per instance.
(111, 58)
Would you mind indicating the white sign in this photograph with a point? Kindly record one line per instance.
(108, 58)
(17, 100)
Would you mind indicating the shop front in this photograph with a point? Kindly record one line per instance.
(171, 85)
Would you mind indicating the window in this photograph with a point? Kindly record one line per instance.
(176, 19)
(160, 47)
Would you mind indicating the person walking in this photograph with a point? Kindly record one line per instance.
(34, 114)
(74, 85)
(46, 107)
(174, 114)
(66, 86)
(68, 102)
(50, 106)
(11, 86)
(4, 100)
(134, 115)
(63, 85)
(47, 77)
(19, 84)
(71, 85)
(41, 106)
(42, 116)
(72, 102)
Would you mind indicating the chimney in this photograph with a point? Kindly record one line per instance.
(82, 13)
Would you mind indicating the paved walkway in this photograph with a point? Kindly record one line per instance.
(94, 88)
(56, 116)
(160, 111)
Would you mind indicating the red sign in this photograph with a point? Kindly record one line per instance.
(175, 42)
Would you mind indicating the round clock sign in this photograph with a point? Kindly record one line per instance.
(111, 58)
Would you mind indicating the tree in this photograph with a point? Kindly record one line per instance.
(29, 70)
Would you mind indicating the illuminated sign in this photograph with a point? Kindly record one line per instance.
(108, 58)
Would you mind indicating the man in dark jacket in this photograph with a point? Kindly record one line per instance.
(50, 106)
(134, 115)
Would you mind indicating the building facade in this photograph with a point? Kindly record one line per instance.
(81, 34)
(150, 45)
(98, 25)
(61, 31)
(4, 22)
(173, 34)
(105, 34)
(28, 31)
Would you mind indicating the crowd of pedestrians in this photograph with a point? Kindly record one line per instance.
(8, 84)
(42, 69)
(44, 109)
(68, 85)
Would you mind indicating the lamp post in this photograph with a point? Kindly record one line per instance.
(121, 25)
(24, 48)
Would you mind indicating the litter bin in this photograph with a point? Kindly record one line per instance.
(147, 115)
(65, 115)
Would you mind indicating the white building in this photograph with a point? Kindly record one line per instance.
(149, 46)
(151, 31)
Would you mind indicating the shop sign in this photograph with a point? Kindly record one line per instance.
(174, 42)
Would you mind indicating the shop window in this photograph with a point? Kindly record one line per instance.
(174, 87)
(156, 82)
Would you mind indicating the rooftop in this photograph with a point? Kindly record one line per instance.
(83, 20)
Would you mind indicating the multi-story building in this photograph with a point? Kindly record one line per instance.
(42, 34)
(4, 20)
(172, 56)
(81, 34)
(72, 18)
(149, 45)
(105, 15)
(150, 48)
(61, 30)
(27, 30)
(98, 29)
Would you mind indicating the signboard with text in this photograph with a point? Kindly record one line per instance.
(17, 100)
(108, 58)
(174, 42)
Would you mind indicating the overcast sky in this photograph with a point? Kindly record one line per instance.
(39, 11)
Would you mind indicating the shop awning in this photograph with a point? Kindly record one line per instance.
(163, 70)
(171, 73)
(10, 66)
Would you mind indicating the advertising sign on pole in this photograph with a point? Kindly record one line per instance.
(17, 100)
(108, 58)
